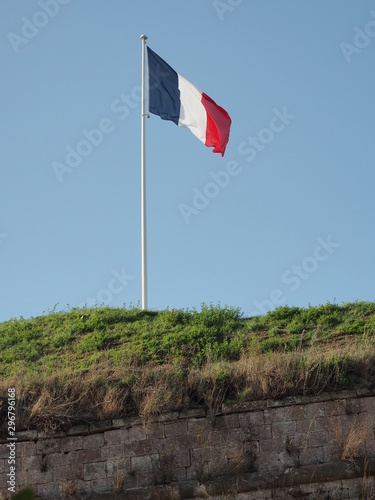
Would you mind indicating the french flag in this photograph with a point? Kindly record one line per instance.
(172, 97)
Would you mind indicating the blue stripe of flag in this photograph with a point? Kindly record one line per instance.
(164, 94)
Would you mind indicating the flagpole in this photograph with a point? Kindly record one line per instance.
(143, 181)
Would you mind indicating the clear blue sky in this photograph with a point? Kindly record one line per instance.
(293, 226)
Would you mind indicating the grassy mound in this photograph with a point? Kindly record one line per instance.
(90, 364)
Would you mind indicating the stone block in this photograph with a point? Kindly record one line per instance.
(247, 420)
(26, 449)
(324, 425)
(2, 465)
(83, 487)
(296, 441)
(218, 467)
(234, 436)
(311, 456)
(334, 408)
(191, 472)
(112, 452)
(192, 413)
(63, 473)
(49, 490)
(363, 391)
(137, 433)
(78, 430)
(86, 456)
(320, 438)
(293, 400)
(48, 446)
(141, 421)
(182, 458)
(217, 438)
(22, 479)
(227, 422)
(33, 462)
(179, 456)
(173, 429)
(58, 459)
(314, 411)
(4, 451)
(232, 450)
(142, 480)
(93, 441)
(318, 398)
(138, 448)
(120, 466)
(261, 431)
(368, 405)
(273, 415)
(50, 434)
(77, 469)
(155, 430)
(143, 465)
(305, 426)
(252, 447)
(347, 394)
(96, 470)
(268, 445)
(370, 446)
(275, 403)
(180, 474)
(288, 459)
(29, 435)
(331, 453)
(101, 485)
(190, 441)
(268, 463)
(118, 423)
(99, 427)
(340, 425)
(71, 443)
(165, 443)
(199, 455)
(199, 426)
(293, 413)
(283, 429)
(252, 406)
(117, 436)
(37, 477)
(167, 416)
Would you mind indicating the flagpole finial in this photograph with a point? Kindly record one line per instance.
(143, 37)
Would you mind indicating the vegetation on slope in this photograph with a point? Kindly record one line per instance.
(89, 364)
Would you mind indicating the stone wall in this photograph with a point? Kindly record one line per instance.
(301, 447)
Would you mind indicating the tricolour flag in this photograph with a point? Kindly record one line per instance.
(172, 97)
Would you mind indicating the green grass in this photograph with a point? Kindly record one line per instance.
(147, 360)
(134, 334)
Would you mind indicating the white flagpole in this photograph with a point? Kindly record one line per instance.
(143, 180)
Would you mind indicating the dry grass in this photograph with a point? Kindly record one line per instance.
(259, 376)
(210, 384)
(352, 442)
(368, 485)
(355, 441)
(164, 468)
(118, 479)
(70, 488)
(108, 392)
(110, 402)
(166, 493)
(155, 389)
